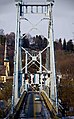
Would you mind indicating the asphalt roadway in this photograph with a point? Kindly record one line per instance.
(34, 107)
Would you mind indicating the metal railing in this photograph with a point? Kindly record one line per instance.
(49, 105)
(17, 107)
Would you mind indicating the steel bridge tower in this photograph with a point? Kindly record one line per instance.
(22, 8)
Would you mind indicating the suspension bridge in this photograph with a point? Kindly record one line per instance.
(34, 94)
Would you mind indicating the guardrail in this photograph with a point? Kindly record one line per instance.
(49, 104)
(17, 107)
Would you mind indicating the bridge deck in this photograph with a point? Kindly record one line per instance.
(33, 107)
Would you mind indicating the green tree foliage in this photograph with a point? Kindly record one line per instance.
(10, 39)
(6, 92)
(65, 63)
(70, 46)
(55, 45)
(64, 45)
(2, 39)
(40, 42)
(25, 42)
(60, 44)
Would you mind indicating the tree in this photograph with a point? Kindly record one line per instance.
(64, 45)
(45, 42)
(40, 42)
(70, 46)
(55, 45)
(60, 44)
(2, 39)
(25, 42)
(2, 32)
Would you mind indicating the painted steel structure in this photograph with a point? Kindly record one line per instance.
(22, 8)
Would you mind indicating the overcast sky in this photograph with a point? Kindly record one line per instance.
(63, 17)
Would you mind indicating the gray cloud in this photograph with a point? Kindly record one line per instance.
(5, 2)
(6, 6)
(63, 18)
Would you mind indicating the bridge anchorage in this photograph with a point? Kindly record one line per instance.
(23, 77)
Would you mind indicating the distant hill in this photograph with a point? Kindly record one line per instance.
(64, 58)
(65, 66)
